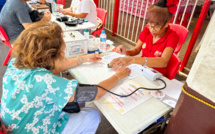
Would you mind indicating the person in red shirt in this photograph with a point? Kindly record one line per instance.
(157, 41)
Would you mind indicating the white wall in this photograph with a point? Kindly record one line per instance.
(202, 75)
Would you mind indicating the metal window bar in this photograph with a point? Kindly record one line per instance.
(112, 14)
(119, 19)
(100, 3)
(144, 18)
(122, 17)
(126, 18)
(130, 19)
(139, 20)
(108, 12)
(106, 1)
(134, 22)
(191, 16)
(177, 11)
(182, 18)
(104, 4)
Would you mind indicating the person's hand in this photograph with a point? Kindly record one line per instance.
(59, 9)
(43, 1)
(46, 16)
(121, 49)
(65, 12)
(123, 73)
(120, 63)
(94, 57)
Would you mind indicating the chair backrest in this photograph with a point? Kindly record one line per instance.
(182, 32)
(102, 14)
(173, 66)
(3, 35)
(61, 2)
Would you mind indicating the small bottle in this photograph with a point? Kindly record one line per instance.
(103, 44)
(86, 34)
(54, 7)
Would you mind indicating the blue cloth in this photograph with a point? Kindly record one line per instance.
(33, 100)
(13, 14)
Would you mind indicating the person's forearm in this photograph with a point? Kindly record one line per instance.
(151, 61)
(69, 63)
(107, 84)
(68, 9)
(132, 52)
(78, 15)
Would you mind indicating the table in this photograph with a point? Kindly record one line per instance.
(84, 25)
(138, 118)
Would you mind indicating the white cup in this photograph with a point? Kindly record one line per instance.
(59, 7)
(92, 44)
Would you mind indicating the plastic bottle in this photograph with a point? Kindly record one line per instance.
(86, 33)
(54, 7)
(103, 44)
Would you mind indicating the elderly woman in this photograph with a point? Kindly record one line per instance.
(33, 98)
(157, 41)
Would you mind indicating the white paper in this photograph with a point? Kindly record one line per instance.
(95, 72)
(136, 70)
(121, 104)
(170, 94)
(109, 58)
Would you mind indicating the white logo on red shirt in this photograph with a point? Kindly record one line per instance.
(157, 54)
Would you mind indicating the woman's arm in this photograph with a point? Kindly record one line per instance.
(108, 83)
(65, 10)
(120, 63)
(136, 50)
(61, 65)
(77, 15)
(131, 52)
(111, 82)
(155, 61)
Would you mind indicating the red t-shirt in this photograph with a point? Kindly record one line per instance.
(169, 39)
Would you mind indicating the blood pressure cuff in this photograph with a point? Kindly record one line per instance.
(84, 93)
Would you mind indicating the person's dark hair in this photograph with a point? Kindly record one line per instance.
(158, 15)
(39, 46)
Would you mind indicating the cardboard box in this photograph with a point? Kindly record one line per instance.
(41, 7)
(76, 44)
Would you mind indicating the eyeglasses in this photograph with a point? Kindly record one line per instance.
(155, 27)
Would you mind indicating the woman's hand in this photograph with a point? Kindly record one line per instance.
(59, 9)
(123, 73)
(93, 57)
(46, 16)
(42, 1)
(121, 49)
(120, 63)
(65, 12)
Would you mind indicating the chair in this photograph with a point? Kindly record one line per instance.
(102, 14)
(182, 32)
(173, 66)
(5, 40)
(61, 2)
